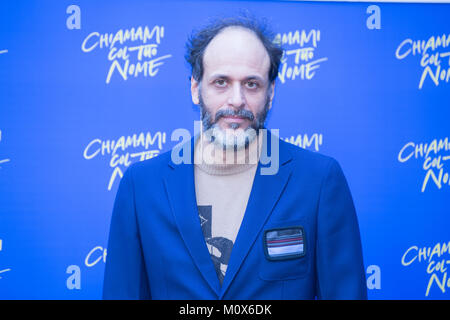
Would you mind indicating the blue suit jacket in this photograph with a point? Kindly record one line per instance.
(156, 248)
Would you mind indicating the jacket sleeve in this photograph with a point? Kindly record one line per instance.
(125, 274)
(339, 261)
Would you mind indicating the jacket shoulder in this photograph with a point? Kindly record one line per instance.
(307, 158)
(156, 165)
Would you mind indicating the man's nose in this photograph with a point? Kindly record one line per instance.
(237, 98)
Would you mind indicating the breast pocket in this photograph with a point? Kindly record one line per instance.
(285, 252)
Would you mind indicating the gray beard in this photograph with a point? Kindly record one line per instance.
(235, 137)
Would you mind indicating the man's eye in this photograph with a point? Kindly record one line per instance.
(252, 85)
(220, 82)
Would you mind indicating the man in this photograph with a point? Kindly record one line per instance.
(219, 227)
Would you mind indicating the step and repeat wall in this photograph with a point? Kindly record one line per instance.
(89, 87)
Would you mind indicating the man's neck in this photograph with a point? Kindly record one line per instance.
(210, 153)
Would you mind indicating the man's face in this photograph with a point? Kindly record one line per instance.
(234, 93)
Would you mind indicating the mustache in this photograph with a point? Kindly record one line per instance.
(237, 113)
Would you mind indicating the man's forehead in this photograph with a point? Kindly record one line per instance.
(236, 46)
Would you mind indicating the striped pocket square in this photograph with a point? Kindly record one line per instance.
(284, 243)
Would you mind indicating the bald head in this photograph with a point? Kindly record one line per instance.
(237, 48)
(200, 40)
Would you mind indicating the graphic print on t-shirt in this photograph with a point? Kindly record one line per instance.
(219, 247)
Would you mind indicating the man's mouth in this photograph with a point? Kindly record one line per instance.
(231, 118)
(234, 117)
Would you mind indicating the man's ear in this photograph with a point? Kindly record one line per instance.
(272, 93)
(195, 91)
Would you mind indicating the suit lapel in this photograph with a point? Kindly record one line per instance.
(264, 195)
(181, 192)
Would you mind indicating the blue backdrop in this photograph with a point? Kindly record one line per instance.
(87, 88)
